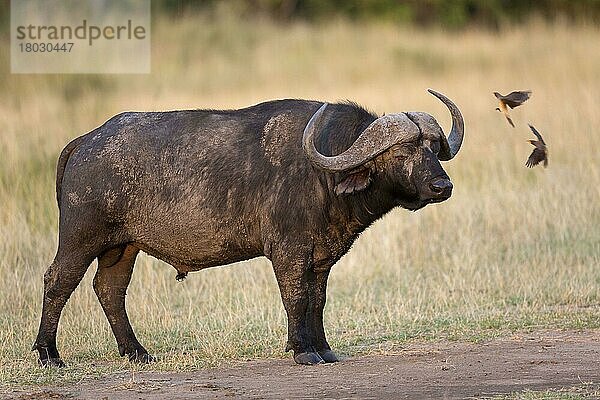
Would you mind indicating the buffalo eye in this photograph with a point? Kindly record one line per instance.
(435, 147)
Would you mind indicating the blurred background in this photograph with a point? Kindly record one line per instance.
(457, 14)
(454, 14)
(513, 250)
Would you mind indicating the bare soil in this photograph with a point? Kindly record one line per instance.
(540, 361)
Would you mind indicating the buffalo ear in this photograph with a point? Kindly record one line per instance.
(354, 182)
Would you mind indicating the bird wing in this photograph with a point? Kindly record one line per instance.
(515, 99)
(537, 156)
(537, 134)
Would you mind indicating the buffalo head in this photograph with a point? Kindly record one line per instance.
(402, 152)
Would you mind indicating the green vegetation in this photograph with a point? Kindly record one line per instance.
(454, 14)
(448, 13)
(513, 250)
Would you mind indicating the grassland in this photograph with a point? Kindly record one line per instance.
(513, 249)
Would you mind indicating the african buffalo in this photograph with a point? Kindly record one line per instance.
(295, 181)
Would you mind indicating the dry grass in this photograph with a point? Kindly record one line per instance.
(513, 249)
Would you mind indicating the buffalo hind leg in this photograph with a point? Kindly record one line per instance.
(318, 296)
(110, 284)
(293, 280)
(60, 280)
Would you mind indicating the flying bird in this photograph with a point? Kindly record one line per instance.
(512, 100)
(540, 153)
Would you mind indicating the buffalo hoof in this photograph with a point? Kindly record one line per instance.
(141, 358)
(308, 359)
(51, 363)
(329, 356)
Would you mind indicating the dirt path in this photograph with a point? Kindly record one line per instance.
(549, 360)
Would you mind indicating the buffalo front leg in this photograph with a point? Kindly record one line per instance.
(293, 280)
(318, 288)
(110, 284)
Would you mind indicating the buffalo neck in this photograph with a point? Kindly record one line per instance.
(365, 207)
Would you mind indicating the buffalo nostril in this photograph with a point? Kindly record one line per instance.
(441, 185)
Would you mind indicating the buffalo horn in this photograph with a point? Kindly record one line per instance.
(455, 139)
(379, 136)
